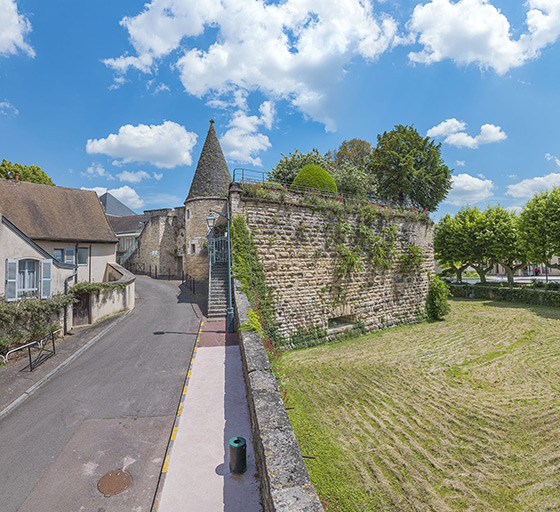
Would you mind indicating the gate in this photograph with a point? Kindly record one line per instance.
(218, 246)
(80, 310)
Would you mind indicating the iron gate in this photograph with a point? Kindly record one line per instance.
(218, 249)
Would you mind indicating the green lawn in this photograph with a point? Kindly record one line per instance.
(455, 415)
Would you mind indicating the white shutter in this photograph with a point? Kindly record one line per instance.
(46, 279)
(11, 280)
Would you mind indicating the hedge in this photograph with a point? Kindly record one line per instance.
(521, 294)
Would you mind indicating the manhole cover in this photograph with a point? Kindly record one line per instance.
(114, 482)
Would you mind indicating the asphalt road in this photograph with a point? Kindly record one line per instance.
(112, 408)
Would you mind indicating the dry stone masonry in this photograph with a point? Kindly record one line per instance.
(295, 245)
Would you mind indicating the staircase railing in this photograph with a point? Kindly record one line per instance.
(129, 252)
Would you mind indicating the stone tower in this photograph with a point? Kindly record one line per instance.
(209, 189)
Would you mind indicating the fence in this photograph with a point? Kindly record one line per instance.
(160, 272)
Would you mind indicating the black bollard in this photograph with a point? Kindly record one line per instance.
(237, 455)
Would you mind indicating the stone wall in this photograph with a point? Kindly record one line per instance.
(295, 246)
(285, 482)
(162, 242)
(196, 213)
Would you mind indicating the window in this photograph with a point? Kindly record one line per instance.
(188, 214)
(59, 255)
(69, 255)
(82, 255)
(193, 249)
(27, 277)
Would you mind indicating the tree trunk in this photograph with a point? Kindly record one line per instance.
(509, 273)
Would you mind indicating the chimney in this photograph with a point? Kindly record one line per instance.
(17, 175)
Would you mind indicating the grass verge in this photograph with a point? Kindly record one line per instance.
(447, 416)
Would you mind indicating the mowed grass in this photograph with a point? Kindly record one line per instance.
(456, 415)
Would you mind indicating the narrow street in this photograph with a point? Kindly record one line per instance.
(111, 409)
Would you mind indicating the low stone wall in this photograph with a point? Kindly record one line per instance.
(285, 482)
(116, 300)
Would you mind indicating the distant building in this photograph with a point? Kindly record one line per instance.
(112, 206)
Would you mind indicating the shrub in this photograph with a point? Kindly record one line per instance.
(314, 176)
(436, 303)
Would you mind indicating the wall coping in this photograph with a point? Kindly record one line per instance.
(285, 482)
(126, 276)
(201, 198)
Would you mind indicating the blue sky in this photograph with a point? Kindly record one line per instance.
(118, 95)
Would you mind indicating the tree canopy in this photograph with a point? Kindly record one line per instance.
(287, 169)
(539, 227)
(31, 173)
(408, 169)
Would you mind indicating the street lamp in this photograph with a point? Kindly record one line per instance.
(210, 221)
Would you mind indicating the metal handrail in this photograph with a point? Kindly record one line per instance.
(28, 345)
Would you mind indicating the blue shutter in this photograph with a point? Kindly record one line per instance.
(11, 280)
(46, 279)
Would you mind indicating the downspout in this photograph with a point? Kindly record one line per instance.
(66, 293)
(230, 319)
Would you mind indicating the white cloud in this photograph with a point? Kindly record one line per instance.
(548, 156)
(293, 50)
(460, 163)
(512, 176)
(133, 177)
(475, 31)
(467, 189)
(242, 142)
(14, 28)
(125, 194)
(96, 171)
(166, 145)
(529, 187)
(7, 109)
(157, 176)
(161, 87)
(453, 131)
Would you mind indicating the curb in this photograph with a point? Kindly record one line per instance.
(163, 472)
(28, 392)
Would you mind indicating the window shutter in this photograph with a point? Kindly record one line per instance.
(11, 280)
(46, 279)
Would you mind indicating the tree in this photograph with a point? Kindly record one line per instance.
(449, 247)
(539, 227)
(355, 152)
(287, 169)
(31, 173)
(408, 169)
(353, 181)
(505, 244)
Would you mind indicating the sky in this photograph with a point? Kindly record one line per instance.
(118, 96)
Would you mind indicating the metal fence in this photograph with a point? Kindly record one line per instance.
(261, 178)
(161, 272)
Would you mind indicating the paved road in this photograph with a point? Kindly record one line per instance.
(112, 408)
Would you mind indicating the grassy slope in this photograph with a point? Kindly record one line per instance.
(455, 415)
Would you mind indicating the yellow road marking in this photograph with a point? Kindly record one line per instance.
(180, 410)
(165, 464)
(189, 374)
(185, 390)
(174, 433)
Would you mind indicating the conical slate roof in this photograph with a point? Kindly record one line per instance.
(212, 177)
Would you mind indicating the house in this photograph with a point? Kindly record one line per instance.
(48, 234)
(112, 206)
(128, 229)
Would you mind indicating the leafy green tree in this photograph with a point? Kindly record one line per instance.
(539, 227)
(353, 181)
(354, 152)
(505, 243)
(408, 168)
(449, 248)
(31, 173)
(287, 169)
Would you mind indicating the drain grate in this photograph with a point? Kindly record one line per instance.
(113, 483)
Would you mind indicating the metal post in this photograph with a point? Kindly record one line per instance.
(229, 318)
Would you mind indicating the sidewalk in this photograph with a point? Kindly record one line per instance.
(196, 475)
